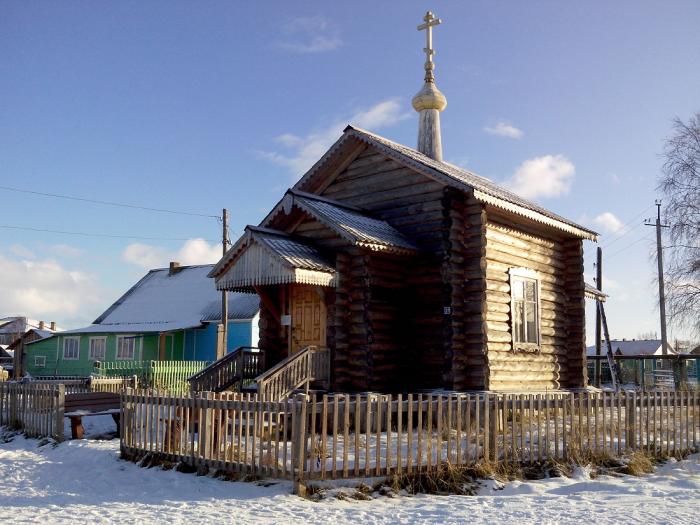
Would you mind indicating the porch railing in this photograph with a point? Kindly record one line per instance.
(236, 369)
(309, 365)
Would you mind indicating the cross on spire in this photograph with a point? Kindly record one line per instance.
(430, 21)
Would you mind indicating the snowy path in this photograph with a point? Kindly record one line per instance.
(84, 481)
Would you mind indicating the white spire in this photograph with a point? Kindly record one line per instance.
(429, 101)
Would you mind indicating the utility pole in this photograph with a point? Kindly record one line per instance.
(598, 335)
(224, 293)
(660, 262)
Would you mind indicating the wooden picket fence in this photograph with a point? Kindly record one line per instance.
(36, 409)
(162, 375)
(91, 384)
(370, 435)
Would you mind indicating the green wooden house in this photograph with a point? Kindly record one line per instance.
(171, 314)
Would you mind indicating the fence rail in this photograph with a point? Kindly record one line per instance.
(36, 409)
(367, 435)
(90, 384)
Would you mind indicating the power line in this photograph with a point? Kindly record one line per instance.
(625, 225)
(90, 234)
(627, 247)
(108, 203)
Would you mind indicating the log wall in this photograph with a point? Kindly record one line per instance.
(559, 264)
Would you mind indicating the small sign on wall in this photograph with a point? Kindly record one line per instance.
(286, 320)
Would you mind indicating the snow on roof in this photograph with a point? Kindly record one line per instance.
(633, 347)
(162, 302)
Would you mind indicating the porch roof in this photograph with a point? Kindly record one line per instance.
(264, 257)
(350, 222)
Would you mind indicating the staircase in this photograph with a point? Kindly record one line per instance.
(235, 371)
(309, 367)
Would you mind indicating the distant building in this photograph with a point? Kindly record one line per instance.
(170, 314)
(630, 347)
(11, 328)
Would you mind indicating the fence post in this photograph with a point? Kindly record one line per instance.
(60, 397)
(299, 446)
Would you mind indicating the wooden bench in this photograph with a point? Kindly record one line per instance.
(80, 405)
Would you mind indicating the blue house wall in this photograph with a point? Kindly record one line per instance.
(200, 343)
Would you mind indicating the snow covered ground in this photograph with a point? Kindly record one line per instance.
(85, 481)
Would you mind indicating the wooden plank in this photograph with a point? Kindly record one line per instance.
(399, 434)
(334, 459)
(419, 452)
(409, 432)
(346, 434)
(378, 438)
(458, 425)
(389, 458)
(368, 433)
(438, 447)
(357, 412)
(487, 440)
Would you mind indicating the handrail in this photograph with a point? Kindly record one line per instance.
(300, 369)
(230, 369)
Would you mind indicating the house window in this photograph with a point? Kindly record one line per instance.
(40, 361)
(126, 346)
(525, 309)
(98, 345)
(71, 348)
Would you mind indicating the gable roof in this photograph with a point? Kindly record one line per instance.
(484, 189)
(161, 302)
(265, 256)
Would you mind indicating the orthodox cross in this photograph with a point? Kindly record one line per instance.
(430, 21)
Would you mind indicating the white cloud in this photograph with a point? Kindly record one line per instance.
(309, 34)
(609, 222)
(194, 251)
(22, 251)
(305, 150)
(546, 176)
(66, 250)
(44, 289)
(504, 129)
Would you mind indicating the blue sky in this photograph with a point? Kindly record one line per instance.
(200, 106)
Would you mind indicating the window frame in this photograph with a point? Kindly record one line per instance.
(122, 337)
(525, 274)
(71, 338)
(91, 357)
(37, 359)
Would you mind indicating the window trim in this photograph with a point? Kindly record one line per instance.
(91, 357)
(519, 346)
(71, 338)
(135, 338)
(37, 359)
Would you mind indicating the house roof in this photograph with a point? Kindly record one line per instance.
(484, 189)
(162, 302)
(42, 334)
(263, 256)
(591, 292)
(631, 347)
(350, 222)
(293, 250)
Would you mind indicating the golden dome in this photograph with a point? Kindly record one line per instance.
(430, 97)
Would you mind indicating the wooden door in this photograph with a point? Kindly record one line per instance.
(308, 310)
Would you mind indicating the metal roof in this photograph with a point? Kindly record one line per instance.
(292, 250)
(485, 190)
(240, 306)
(349, 222)
(593, 293)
